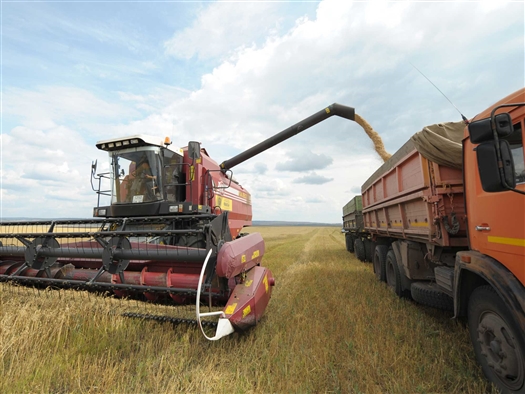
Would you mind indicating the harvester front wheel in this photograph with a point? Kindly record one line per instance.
(359, 249)
(498, 342)
(380, 262)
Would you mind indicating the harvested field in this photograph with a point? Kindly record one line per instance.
(330, 327)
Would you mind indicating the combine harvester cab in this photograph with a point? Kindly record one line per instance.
(171, 233)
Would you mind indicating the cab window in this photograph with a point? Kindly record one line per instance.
(516, 145)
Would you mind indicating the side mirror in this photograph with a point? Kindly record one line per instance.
(194, 150)
(94, 167)
(481, 130)
(489, 170)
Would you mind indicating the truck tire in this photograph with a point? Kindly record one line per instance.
(359, 249)
(349, 242)
(380, 262)
(498, 342)
(369, 250)
(429, 294)
(393, 275)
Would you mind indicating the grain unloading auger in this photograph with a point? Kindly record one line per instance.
(171, 233)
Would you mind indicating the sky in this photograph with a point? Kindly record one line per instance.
(231, 74)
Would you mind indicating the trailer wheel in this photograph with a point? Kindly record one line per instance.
(429, 294)
(498, 342)
(380, 262)
(393, 275)
(359, 249)
(369, 250)
(349, 242)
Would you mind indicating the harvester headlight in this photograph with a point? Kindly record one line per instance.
(118, 143)
(134, 141)
(101, 212)
(174, 208)
(125, 142)
(111, 145)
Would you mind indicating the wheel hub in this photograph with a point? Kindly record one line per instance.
(500, 349)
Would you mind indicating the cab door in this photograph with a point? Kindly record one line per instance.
(496, 221)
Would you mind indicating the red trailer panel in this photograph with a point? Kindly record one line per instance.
(414, 198)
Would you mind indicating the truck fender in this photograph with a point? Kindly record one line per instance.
(473, 269)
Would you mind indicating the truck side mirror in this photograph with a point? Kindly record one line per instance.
(194, 150)
(481, 130)
(492, 179)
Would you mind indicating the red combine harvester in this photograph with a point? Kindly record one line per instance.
(172, 233)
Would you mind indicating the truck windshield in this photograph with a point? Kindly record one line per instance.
(136, 176)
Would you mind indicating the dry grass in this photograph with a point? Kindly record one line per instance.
(330, 327)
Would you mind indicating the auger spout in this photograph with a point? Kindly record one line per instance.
(334, 109)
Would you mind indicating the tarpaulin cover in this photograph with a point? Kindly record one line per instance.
(441, 143)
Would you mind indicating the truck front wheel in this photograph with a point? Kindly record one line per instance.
(498, 343)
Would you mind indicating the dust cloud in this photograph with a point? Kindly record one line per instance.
(375, 137)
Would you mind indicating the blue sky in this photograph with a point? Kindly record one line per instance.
(230, 74)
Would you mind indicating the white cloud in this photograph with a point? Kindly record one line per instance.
(221, 27)
(45, 173)
(353, 53)
(304, 160)
(47, 106)
(313, 179)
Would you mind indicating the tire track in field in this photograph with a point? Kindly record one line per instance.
(309, 243)
(302, 257)
(337, 240)
(312, 244)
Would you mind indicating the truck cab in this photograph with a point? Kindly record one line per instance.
(496, 224)
(489, 286)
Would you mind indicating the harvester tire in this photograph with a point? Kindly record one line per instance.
(380, 253)
(427, 293)
(497, 339)
(369, 250)
(359, 249)
(349, 242)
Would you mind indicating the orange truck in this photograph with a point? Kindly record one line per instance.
(444, 224)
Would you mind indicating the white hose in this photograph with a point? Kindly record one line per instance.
(224, 327)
